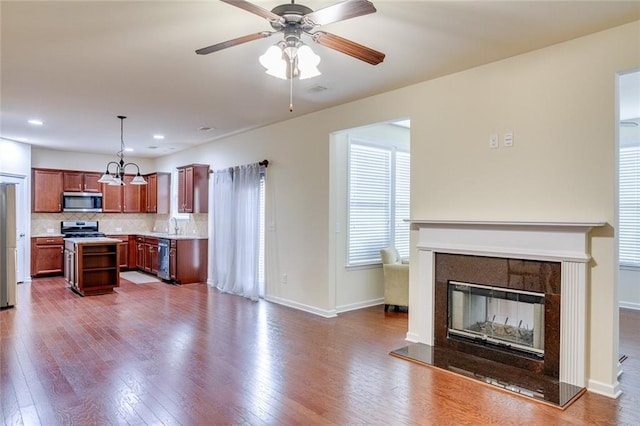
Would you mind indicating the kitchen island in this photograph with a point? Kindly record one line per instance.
(91, 265)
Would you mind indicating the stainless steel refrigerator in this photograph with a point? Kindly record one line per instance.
(8, 244)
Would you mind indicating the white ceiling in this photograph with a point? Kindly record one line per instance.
(76, 65)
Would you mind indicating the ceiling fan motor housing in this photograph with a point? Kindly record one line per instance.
(292, 14)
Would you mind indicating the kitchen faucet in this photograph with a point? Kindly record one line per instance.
(176, 229)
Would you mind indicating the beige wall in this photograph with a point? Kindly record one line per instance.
(65, 160)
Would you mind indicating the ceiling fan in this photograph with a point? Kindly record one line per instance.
(294, 20)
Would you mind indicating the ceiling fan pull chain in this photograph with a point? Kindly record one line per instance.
(291, 88)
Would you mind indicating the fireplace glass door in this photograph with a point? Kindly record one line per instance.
(507, 319)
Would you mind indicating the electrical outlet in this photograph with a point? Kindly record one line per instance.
(118, 229)
(284, 278)
(49, 230)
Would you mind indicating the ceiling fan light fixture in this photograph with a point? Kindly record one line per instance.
(307, 62)
(273, 61)
(283, 61)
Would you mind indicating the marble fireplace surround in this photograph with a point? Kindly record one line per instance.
(563, 242)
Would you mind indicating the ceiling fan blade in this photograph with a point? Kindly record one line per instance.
(348, 47)
(255, 9)
(339, 12)
(234, 42)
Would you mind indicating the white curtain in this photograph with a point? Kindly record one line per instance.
(236, 230)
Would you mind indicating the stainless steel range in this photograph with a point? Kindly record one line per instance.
(80, 229)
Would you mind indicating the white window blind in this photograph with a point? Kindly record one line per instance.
(629, 206)
(378, 201)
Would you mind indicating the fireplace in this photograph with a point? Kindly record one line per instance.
(510, 295)
(497, 317)
(517, 302)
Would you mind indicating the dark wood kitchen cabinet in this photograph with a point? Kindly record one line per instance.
(188, 261)
(111, 198)
(124, 250)
(125, 198)
(193, 188)
(75, 181)
(140, 253)
(147, 254)
(158, 192)
(134, 196)
(47, 256)
(46, 191)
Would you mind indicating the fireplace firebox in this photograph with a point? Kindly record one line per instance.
(502, 318)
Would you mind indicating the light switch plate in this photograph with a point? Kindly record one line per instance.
(493, 141)
(508, 139)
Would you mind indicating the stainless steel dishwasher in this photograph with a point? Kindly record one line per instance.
(163, 259)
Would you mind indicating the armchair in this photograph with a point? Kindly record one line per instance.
(396, 278)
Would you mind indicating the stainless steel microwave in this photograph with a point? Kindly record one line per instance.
(81, 202)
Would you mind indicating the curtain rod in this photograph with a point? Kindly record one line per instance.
(264, 163)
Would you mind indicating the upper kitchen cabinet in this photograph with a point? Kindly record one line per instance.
(193, 188)
(134, 196)
(125, 198)
(158, 192)
(46, 191)
(111, 198)
(75, 181)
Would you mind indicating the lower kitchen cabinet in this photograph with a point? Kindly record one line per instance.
(47, 256)
(147, 254)
(124, 250)
(188, 261)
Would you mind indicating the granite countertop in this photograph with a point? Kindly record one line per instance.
(168, 236)
(96, 240)
(164, 235)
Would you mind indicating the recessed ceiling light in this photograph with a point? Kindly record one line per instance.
(129, 149)
(36, 122)
(206, 129)
(153, 147)
(159, 137)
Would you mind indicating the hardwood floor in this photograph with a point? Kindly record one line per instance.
(161, 354)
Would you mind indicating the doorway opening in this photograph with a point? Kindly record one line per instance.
(369, 205)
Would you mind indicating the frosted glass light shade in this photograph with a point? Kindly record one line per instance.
(307, 63)
(274, 62)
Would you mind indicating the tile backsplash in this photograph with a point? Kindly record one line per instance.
(120, 223)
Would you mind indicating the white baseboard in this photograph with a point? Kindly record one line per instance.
(302, 307)
(412, 337)
(359, 305)
(629, 305)
(605, 389)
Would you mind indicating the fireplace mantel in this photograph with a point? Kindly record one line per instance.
(565, 242)
(527, 240)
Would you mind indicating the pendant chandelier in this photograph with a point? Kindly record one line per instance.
(117, 177)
